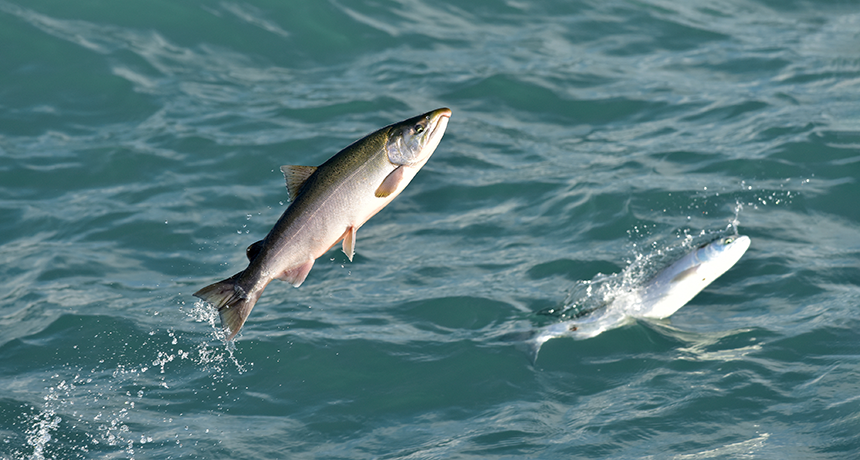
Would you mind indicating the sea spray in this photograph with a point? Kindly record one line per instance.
(86, 410)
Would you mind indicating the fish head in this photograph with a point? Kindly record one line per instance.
(721, 254)
(412, 141)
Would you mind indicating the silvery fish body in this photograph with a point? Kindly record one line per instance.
(329, 204)
(678, 283)
(659, 297)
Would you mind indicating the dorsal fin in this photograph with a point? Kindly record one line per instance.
(253, 250)
(296, 177)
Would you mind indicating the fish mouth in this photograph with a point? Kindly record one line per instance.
(436, 119)
(741, 244)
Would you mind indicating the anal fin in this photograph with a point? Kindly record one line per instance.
(296, 275)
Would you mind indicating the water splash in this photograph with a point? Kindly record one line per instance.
(39, 435)
(212, 358)
(86, 407)
(87, 410)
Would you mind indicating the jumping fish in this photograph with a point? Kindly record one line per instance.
(659, 297)
(329, 204)
(678, 283)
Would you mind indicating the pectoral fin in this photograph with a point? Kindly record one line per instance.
(390, 184)
(296, 275)
(296, 176)
(349, 243)
(685, 274)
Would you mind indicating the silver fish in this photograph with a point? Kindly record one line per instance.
(329, 204)
(659, 297)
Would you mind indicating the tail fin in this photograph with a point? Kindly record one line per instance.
(233, 302)
(528, 342)
(532, 348)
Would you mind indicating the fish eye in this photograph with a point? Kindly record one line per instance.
(728, 240)
(419, 129)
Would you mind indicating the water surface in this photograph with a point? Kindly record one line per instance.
(140, 146)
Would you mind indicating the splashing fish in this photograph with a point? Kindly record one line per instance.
(329, 204)
(659, 297)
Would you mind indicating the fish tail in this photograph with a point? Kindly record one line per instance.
(532, 348)
(234, 303)
(528, 342)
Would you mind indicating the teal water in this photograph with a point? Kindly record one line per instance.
(139, 151)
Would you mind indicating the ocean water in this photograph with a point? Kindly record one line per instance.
(139, 151)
